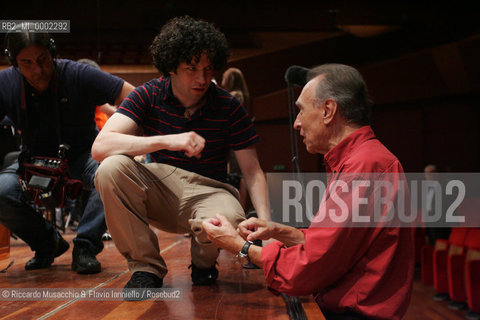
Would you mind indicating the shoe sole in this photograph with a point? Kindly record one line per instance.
(82, 270)
(139, 294)
(204, 283)
(38, 267)
(64, 246)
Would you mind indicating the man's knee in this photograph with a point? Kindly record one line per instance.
(197, 229)
(231, 209)
(9, 187)
(233, 216)
(110, 168)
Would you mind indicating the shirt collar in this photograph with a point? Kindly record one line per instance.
(338, 154)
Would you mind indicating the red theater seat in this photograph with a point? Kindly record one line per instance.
(456, 268)
(440, 277)
(440, 259)
(472, 270)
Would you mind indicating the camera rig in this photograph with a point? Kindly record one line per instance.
(47, 184)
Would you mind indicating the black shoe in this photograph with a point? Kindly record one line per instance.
(473, 315)
(135, 288)
(203, 277)
(441, 297)
(457, 305)
(41, 261)
(84, 261)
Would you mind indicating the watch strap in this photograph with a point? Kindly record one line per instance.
(245, 247)
(243, 254)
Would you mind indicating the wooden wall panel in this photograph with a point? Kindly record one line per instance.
(425, 102)
(452, 137)
(445, 132)
(401, 131)
(470, 53)
(137, 79)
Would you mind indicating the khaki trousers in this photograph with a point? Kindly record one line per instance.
(137, 195)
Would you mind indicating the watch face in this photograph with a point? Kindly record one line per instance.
(243, 258)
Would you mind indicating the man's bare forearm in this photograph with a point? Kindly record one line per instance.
(112, 143)
(289, 236)
(257, 189)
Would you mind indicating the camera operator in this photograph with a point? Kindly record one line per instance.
(51, 102)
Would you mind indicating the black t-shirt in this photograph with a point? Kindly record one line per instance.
(81, 89)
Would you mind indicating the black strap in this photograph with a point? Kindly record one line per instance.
(26, 134)
(57, 112)
(23, 117)
(245, 247)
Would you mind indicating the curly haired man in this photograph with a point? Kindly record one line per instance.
(188, 127)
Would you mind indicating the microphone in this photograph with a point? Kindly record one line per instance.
(296, 75)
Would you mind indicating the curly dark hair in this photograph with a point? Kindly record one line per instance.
(185, 39)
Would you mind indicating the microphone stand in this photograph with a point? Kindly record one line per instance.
(293, 303)
(293, 133)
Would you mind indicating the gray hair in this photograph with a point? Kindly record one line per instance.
(89, 62)
(346, 86)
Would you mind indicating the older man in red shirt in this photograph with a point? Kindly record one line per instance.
(353, 272)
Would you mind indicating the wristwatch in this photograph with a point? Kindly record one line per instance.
(243, 254)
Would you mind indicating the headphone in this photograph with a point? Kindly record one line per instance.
(52, 49)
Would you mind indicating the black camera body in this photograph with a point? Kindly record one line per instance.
(46, 181)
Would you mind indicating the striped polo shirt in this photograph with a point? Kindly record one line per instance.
(223, 122)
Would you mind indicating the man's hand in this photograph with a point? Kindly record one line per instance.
(190, 142)
(222, 234)
(254, 228)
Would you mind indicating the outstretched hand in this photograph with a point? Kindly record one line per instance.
(222, 234)
(254, 229)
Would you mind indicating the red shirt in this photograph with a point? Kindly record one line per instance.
(368, 271)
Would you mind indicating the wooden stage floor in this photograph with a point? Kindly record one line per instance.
(239, 293)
